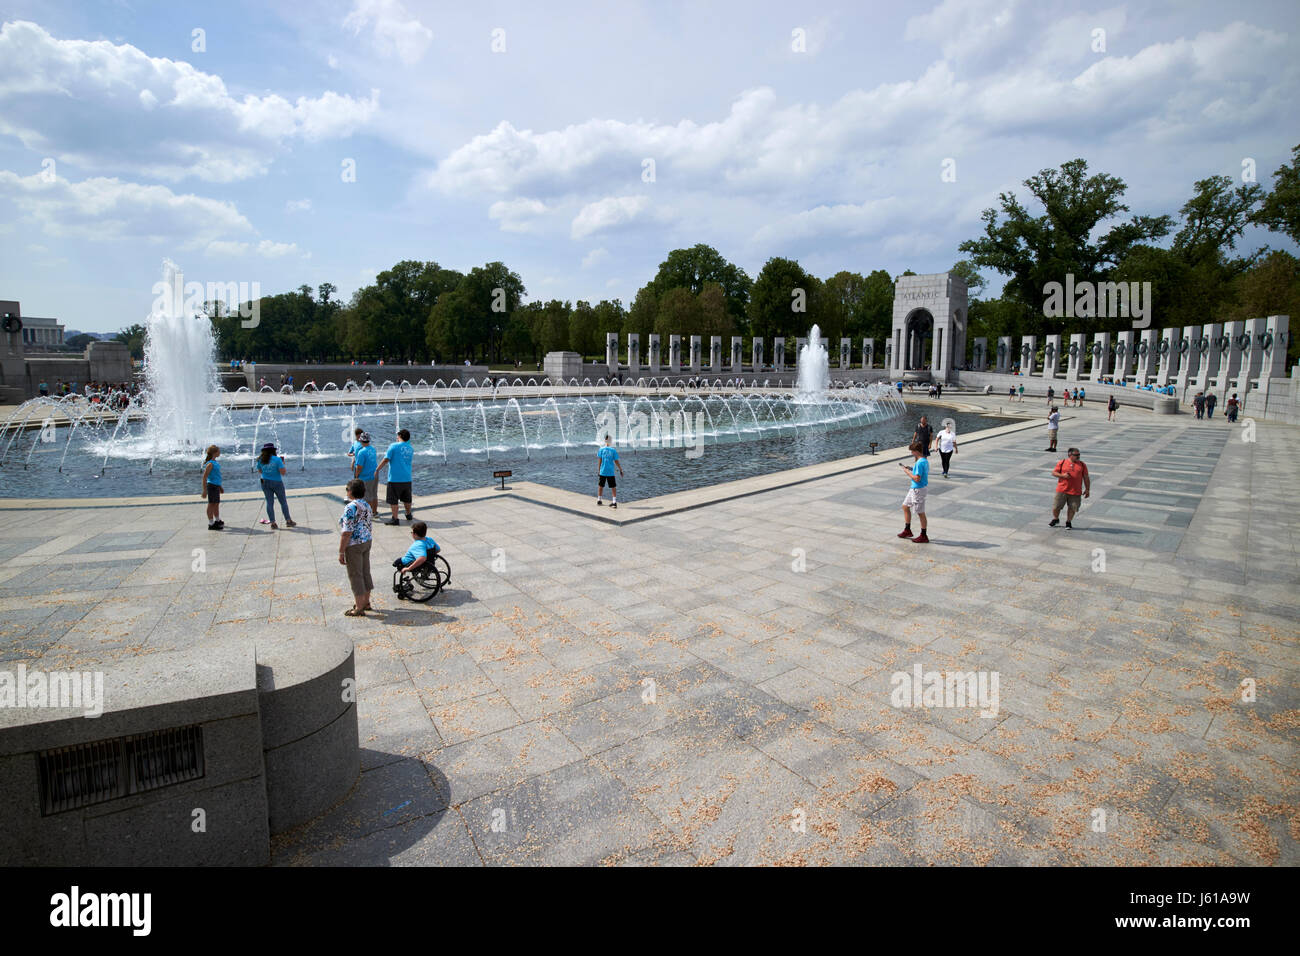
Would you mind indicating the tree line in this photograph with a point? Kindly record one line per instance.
(1073, 223)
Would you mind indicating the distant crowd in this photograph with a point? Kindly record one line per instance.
(115, 395)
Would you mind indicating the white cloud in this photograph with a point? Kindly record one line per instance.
(298, 205)
(109, 209)
(393, 29)
(110, 107)
(274, 250)
(607, 212)
(597, 255)
(517, 215)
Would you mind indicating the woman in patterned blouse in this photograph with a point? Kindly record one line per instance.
(354, 547)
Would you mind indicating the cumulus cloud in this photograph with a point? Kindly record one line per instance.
(298, 205)
(596, 256)
(607, 212)
(517, 215)
(392, 29)
(109, 209)
(110, 107)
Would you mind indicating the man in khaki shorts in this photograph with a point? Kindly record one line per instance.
(1072, 482)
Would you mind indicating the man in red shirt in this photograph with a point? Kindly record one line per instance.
(1072, 481)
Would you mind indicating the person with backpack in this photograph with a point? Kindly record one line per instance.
(1198, 402)
(1112, 406)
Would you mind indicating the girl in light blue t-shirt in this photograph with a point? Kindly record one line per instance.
(272, 468)
(211, 488)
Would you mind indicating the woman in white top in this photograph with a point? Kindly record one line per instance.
(946, 442)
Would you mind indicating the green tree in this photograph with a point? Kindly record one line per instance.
(679, 313)
(133, 338)
(1035, 250)
(781, 302)
(694, 267)
(1280, 209)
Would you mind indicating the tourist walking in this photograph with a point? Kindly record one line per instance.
(1198, 402)
(1210, 401)
(1051, 395)
(1111, 407)
(924, 436)
(919, 474)
(607, 460)
(355, 446)
(946, 442)
(398, 459)
(365, 465)
(354, 547)
(1080, 394)
(1053, 428)
(272, 468)
(1231, 408)
(1021, 392)
(211, 488)
(1072, 485)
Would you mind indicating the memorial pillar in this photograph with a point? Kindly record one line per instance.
(611, 352)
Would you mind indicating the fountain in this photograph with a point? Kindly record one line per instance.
(180, 369)
(814, 367)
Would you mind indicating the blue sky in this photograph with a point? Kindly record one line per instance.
(121, 144)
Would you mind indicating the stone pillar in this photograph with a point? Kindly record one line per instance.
(1052, 357)
(1189, 356)
(1148, 352)
(1168, 359)
(1234, 333)
(655, 363)
(633, 353)
(1274, 346)
(980, 355)
(799, 343)
(1100, 352)
(1253, 357)
(1029, 354)
(696, 344)
(674, 353)
(868, 354)
(846, 353)
(938, 354)
(737, 353)
(894, 353)
(1211, 355)
(715, 353)
(1074, 357)
(1125, 353)
(756, 353)
(611, 352)
(778, 354)
(1005, 354)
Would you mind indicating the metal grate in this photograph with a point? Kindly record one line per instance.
(86, 774)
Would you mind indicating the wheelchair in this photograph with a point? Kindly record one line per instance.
(424, 582)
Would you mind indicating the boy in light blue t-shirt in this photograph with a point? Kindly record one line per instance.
(607, 458)
(919, 476)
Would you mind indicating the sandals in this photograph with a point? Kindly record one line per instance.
(354, 612)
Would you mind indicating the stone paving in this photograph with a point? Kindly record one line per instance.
(714, 685)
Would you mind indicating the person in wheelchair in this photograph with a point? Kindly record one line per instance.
(421, 572)
(421, 551)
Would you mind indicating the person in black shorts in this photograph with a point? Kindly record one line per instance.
(607, 460)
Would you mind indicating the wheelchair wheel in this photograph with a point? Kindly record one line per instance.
(425, 586)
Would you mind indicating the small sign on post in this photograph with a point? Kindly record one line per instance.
(503, 475)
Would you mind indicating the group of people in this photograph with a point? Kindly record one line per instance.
(356, 522)
(1072, 486)
(1206, 402)
(115, 395)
